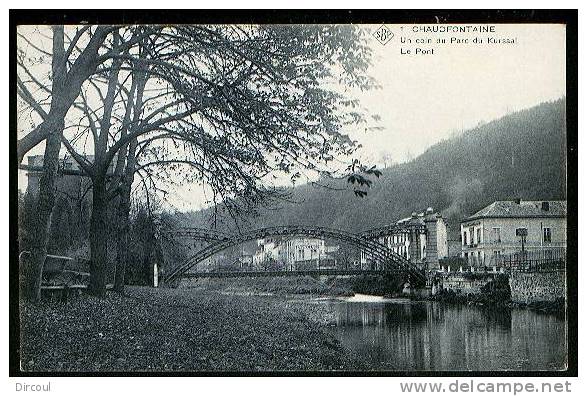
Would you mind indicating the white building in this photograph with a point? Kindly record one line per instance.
(299, 253)
(505, 226)
(290, 252)
(421, 239)
(267, 251)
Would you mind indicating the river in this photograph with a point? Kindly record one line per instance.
(397, 334)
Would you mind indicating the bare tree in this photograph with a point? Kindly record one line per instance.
(226, 106)
(67, 75)
(51, 98)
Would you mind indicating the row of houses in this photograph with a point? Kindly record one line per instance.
(420, 238)
(487, 238)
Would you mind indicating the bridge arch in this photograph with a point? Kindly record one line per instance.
(382, 255)
(196, 233)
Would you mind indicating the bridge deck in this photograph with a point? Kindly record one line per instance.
(244, 274)
(379, 253)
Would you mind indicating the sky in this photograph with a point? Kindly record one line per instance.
(426, 98)
(440, 89)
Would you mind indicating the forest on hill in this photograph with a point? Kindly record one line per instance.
(521, 155)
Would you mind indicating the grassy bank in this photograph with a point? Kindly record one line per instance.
(178, 330)
(370, 284)
(294, 285)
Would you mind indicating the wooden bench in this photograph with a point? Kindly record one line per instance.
(61, 281)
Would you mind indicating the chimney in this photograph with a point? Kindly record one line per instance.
(546, 206)
(517, 200)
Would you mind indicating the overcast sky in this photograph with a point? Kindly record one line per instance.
(425, 98)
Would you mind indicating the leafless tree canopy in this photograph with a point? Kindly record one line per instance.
(229, 107)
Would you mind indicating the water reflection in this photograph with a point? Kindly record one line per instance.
(435, 336)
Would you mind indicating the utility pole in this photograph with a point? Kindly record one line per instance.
(318, 259)
(522, 233)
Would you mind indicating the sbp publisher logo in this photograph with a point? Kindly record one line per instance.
(383, 34)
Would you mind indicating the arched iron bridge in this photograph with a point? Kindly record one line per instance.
(386, 261)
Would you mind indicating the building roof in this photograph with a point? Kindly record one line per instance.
(416, 220)
(521, 209)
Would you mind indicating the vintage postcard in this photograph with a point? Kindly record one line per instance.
(327, 193)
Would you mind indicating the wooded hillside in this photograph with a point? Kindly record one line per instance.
(520, 155)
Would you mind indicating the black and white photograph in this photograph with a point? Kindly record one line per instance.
(293, 193)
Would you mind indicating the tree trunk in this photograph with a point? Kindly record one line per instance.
(123, 230)
(33, 266)
(123, 216)
(128, 172)
(98, 237)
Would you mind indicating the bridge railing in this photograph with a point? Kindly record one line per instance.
(384, 257)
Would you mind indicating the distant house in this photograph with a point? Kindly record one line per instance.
(420, 238)
(267, 251)
(291, 253)
(75, 187)
(246, 261)
(506, 227)
(302, 253)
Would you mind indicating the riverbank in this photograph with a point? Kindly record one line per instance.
(475, 289)
(179, 330)
(496, 300)
(279, 286)
(336, 286)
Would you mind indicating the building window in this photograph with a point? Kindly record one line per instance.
(465, 238)
(496, 235)
(547, 235)
(477, 235)
(522, 232)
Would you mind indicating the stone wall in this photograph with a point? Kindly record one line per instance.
(537, 286)
(462, 284)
